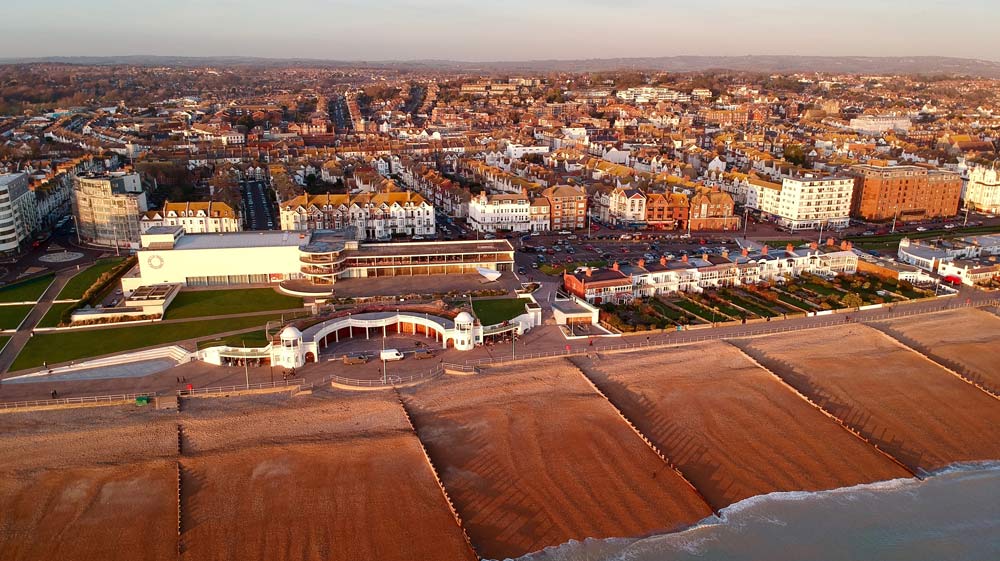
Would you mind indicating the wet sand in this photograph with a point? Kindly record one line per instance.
(970, 338)
(533, 457)
(917, 411)
(731, 427)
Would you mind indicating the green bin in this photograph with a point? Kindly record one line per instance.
(142, 400)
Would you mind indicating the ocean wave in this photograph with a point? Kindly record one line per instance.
(698, 540)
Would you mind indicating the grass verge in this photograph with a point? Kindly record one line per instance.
(74, 345)
(202, 303)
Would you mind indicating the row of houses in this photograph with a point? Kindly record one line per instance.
(623, 283)
(371, 216)
(972, 260)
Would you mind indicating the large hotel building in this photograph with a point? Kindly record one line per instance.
(906, 192)
(306, 263)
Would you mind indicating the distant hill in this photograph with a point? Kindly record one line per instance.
(750, 63)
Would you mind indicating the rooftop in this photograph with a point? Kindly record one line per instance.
(241, 240)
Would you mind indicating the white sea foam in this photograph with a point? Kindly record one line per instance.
(898, 513)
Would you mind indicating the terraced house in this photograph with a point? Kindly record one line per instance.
(371, 216)
(622, 283)
(195, 217)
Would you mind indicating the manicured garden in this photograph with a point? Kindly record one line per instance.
(492, 312)
(26, 291)
(203, 303)
(55, 314)
(78, 285)
(65, 346)
(645, 315)
(11, 316)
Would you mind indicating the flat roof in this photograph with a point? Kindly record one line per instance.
(432, 248)
(236, 240)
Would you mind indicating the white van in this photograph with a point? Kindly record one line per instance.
(390, 354)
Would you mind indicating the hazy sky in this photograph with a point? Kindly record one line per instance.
(478, 30)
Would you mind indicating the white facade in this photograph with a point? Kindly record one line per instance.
(877, 124)
(195, 218)
(18, 215)
(982, 192)
(806, 203)
(518, 151)
(489, 213)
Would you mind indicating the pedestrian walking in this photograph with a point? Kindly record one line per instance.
(54, 394)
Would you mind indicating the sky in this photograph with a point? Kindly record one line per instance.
(504, 30)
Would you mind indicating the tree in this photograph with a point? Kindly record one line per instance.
(852, 300)
(795, 154)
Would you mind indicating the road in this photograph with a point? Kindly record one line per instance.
(258, 208)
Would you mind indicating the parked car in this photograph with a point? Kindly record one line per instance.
(949, 226)
(521, 270)
(564, 232)
(417, 238)
(421, 354)
(921, 229)
(390, 355)
(355, 359)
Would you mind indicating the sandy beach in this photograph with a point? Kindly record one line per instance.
(88, 484)
(533, 457)
(968, 337)
(730, 426)
(910, 407)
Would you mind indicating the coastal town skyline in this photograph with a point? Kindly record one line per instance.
(402, 30)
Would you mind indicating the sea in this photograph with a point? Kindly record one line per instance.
(950, 515)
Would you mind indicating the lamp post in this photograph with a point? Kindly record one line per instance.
(746, 221)
(895, 217)
(246, 363)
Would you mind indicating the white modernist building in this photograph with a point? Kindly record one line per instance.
(300, 262)
(294, 348)
(489, 213)
(878, 124)
(518, 151)
(18, 215)
(804, 203)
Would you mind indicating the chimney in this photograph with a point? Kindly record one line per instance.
(589, 271)
(684, 258)
(746, 252)
(850, 245)
(642, 263)
(704, 256)
(763, 250)
(663, 260)
(843, 245)
(829, 242)
(814, 246)
(725, 254)
(615, 266)
(789, 248)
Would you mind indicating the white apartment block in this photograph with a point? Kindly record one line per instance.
(982, 192)
(878, 124)
(18, 215)
(518, 151)
(490, 213)
(804, 203)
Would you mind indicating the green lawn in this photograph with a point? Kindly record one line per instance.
(781, 244)
(75, 345)
(83, 280)
(797, 302)
(694, 309)
(11, 316)
(26, 291)
(52, 317)
(492, 312)
(553, 269)
(201, 303)
(750, 305)
(251, 339)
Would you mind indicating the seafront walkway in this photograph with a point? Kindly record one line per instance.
(542, 342)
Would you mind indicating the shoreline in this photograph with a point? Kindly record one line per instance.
(726, 515)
